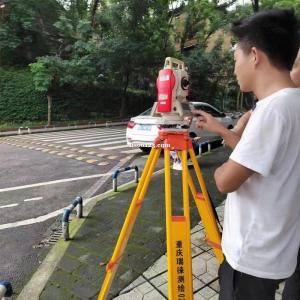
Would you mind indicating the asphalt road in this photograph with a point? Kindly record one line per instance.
(40, 175)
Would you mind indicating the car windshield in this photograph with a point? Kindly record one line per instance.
(208, 109)
(147, 112)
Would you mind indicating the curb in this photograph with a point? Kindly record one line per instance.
(33, 289)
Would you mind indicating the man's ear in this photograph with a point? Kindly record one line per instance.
(256, 56)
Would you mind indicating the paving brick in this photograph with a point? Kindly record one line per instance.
(197, 284)
(153, 295)
(140, 280)
(76, 251)
(52, 292)
(84, 291)
(197, 238)
(164, 289)
(161, 264)
(160, 280)
(145, 288)
(132, 295)
(213, 266)
(215, 286)
(281, 287)
(195, 251)
(205, 293)
(62, 279)
(199, 266)
(69, 264)
(90, 272)
(206, 278)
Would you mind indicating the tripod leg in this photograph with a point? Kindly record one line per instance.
(204, 206)
(178, 238)
(133, 211)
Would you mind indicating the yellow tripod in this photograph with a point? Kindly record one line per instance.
(177, 227)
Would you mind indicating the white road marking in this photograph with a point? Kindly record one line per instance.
(132, 151)
(59, 211)
(52, 182)
(115, 147)
(69, 136)
(97, 140)
(45, 217)
(108, 143)
(32, 221)
(94, 136)
(91, 135)
(33, 199)
(65, 132)
(9, 205)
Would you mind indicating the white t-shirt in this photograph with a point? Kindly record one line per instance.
(261, 235)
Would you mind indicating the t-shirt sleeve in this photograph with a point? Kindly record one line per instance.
(260, 142)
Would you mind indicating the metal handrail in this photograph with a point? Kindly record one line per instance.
(118, 172)
(20, 130)
(66, 215)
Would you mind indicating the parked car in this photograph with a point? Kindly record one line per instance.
(143, 129)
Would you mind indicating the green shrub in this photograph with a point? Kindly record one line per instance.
(18, 99)
(20, 102)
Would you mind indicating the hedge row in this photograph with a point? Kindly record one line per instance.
(19, 101)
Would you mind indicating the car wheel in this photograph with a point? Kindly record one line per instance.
(146, 149)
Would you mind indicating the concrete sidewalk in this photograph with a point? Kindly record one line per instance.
(76, 269)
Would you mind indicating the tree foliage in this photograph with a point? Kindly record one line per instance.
(282, 4)
(119, 46)
(27, 31)
(201, 19)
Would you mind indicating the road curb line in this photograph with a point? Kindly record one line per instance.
(33, 289)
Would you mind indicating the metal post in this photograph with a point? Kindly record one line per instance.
(136, 174)
(118, 172)
(115, 184)
(66, 215)
(65, 224)
(79, 207)
(200, 149)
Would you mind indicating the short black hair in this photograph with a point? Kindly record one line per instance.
(274, 31)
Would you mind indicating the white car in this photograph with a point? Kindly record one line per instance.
(143, 129)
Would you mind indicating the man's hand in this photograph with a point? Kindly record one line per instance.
(208, 122)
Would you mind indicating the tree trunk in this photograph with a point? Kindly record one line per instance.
(49, 97)
(255, 5)
(94, 7)
(124, 97)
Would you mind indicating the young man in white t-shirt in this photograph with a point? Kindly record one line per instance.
(261, 235)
